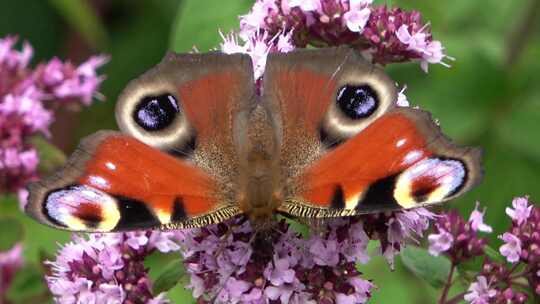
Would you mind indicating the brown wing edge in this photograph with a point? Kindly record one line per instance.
(63, 177)
(172, 71)
(444, 147)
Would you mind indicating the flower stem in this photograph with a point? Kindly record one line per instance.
(456, 299)
(448, 284)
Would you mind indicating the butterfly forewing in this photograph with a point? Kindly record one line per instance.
(177, 163)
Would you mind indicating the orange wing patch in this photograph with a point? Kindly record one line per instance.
(126, 185)
(392, 164)
(125, 166)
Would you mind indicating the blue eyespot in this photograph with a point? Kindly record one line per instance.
(357, 101)
(154, 113)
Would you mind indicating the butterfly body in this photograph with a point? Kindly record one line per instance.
(259, 194)
(199, 145)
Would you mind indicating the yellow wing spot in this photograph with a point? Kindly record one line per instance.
(111, 215)
(352, 201)
(68, 207)
(163, 216)
(75, 223)
(402, 193)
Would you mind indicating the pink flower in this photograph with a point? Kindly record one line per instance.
(371, 29)
(279, 272)
(521, 211)
(354, 248)
(282, 266)
(231, 45)
(400, 227)
(81, 82)
(325, 252)
(357, 19)
(11, 261)
(254, 21)
(479, 292)
(512, 247)
(233, 291)
(430, 51)
(434, 53)
(402, 98)
(305, 5)
(440, 242)
(416, 42)
(257, 46)
(99, 269)
(456, 238)
(14, 59)
(477, 220)
(25, 98)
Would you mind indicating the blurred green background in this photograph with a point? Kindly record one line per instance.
(489, 98)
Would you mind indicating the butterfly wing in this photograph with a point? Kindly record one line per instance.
(347, 150)
(176, 163)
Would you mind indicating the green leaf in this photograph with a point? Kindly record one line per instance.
(13, 233)
(433, 270)
(83, 17)
(469, 269)
(170, 276)
(193, 28)
(493, 254)
(50, 157)
(28, 282)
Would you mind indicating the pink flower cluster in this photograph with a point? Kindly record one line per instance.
(501, 283)
(383, 35)
(497, 282)
(11, 261)
(108, 268)
(393, 230)
(233, 263)
(26, 98)
(458, 238)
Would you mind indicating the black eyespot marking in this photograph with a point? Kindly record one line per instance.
(154, 113)
(423, 187)
(46, 210)
(338, 198)
(187, 149)
(134, 214)
(380, 196)
(90, 214)
(357, 101)
(328, 141)
(179, 213)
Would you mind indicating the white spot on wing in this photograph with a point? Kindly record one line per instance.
(63, 205)
(110, 165)
(448, 175)
(412, 157)
(99, 182)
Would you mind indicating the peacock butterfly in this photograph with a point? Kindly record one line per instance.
(199, 145)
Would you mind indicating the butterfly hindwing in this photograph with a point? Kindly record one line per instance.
(115, 182)
(345, 147)
(176, 162)
(400, 161)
